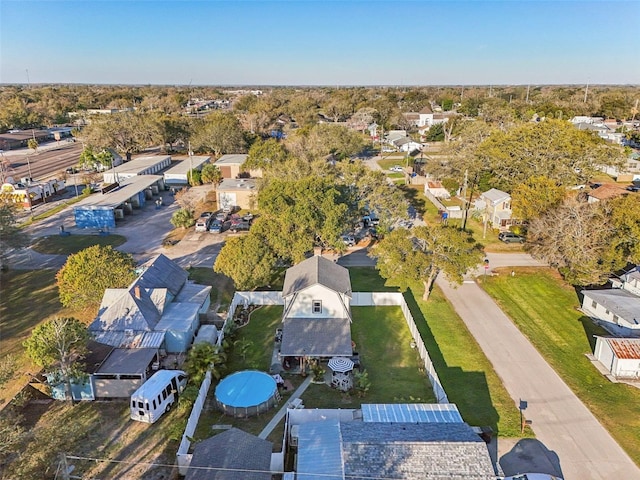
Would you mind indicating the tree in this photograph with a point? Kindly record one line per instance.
(32, 143)
(195, 177)
(266, 153)
(535, 197)
(420, 254)
(127, 132)
(299, 214)
(580, 240)
(203, 357)
(182, 218)
(11, 235)
(84, 277)
(336, 140)
(211, 174)
(58, 345)
(219, 133)
(248, 260)
(554, 149)
(435, 133)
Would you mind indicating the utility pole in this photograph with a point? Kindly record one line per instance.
(190, 174)
(586, 91)
(527, 99)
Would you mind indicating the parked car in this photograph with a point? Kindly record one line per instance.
(348, 240)
(510, 237)
(397, 168)
(202, 224)
(216, 226)
(222, 216)
(241, 226)
(205, 214)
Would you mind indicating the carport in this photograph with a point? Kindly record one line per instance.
(102, 210)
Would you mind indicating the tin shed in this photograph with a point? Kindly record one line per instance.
(621, 356)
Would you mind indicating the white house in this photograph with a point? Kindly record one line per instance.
(405, 144)
(620, 356)
(317, 310)
(436, 189)
(616, 310)
(496, 204)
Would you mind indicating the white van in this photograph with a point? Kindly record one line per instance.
(157, 395)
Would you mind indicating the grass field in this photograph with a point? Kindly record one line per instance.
(544, 309)
(59, 245)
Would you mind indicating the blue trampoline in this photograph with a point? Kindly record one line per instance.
(247, 393)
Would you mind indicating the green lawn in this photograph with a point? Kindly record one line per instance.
(387, 163)
(466, 374)
(59, 245)
(563, 338)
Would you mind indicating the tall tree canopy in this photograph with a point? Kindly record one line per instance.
(58, 345)
(84, 277)
(588, 241)
(127, 132)
(219, 132)
(535, 197)
(552, 148)
(248, 260)
(420, 254)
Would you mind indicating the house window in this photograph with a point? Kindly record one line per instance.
(606, 312)
(594, 304)
(615, 318)
(317, 306)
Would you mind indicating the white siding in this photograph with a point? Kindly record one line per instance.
(332, 305)
(604, 353)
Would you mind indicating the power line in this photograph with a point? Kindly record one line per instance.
(426, 476)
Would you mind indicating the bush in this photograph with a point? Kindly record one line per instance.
(182, 218)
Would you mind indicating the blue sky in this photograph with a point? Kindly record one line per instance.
(320, 42)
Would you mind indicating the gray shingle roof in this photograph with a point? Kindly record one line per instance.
(450, 451)
(361, 450)
(316, 337)
(236, 452)
(317, 270)
(495, 196)
(161, 272)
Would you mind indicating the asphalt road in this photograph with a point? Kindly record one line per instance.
(52, 158)
(584, 448)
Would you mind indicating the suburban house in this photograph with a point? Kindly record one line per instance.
(231, 455)
(177, 175)
(620, 356)
(496, 205)
(158, 314)
(406, 144)
(231, 166)
(403, 441)
(436, 189)
(317, 310)
(237, 192)
(605, 192)
(617, 309)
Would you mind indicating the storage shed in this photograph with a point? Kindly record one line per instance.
(179, 322)
(177, 174)
(230, 165)
(136, 167)
(620, 356)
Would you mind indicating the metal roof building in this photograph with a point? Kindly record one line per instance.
(620, 356)
(102, 210)
(138, 166)
(177, 174)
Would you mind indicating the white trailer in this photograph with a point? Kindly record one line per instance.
(157, 395)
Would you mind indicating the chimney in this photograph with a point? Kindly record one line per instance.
(317, 251)
(136, 291)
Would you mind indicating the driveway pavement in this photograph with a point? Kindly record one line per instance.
(560, 420)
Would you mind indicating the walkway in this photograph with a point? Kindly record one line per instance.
(283, 411)
(560, 420)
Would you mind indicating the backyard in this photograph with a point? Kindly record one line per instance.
(563, 339)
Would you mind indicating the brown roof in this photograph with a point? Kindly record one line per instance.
(608, 190)
(434, 184)
(426, 109)
(625, 348)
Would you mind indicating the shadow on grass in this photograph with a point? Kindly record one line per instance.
(468, 390)
(414, 197)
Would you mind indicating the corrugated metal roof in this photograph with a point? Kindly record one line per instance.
(232, 159)
(411, 413)
(625, 348)
(178, 317)
(193, 293)
(185, 164)
(128, 361)
(162, 272)
(319, 450)
(128, 189)
(121, 339)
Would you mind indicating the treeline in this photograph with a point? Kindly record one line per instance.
(46, 105)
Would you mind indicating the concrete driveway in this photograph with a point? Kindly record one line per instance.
(561, 421)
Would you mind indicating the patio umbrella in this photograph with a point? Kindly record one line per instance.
(340, 364)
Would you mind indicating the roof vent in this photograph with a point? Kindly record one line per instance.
(128, 332)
